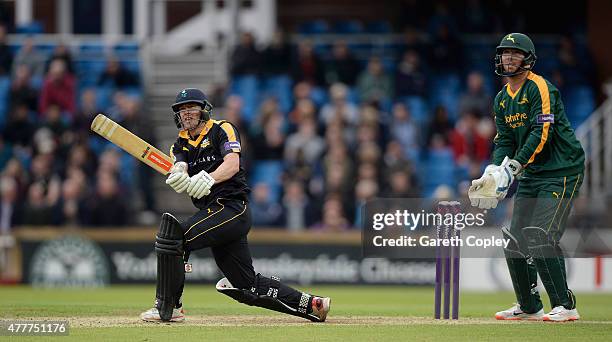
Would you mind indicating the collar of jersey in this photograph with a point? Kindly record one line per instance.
(513, 94)
(195, 143)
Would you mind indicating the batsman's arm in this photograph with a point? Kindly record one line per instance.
(227, 169)
(540, 119)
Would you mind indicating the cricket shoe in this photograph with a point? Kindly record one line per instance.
(561, 314)
(320, 307)
(152, 315)
(516, 314)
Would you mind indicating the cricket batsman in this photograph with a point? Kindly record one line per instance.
(535, 144)
(207, 167)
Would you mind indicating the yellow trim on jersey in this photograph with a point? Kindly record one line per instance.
(545, 95)
(229, 130)
(509, 91)
(231, 134)
(218, 225)
(559, 205)
(184, 134)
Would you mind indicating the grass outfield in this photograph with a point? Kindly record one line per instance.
(358, 313)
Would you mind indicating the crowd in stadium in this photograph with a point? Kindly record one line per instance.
(322, 130)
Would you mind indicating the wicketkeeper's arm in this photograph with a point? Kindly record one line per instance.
(504, 140)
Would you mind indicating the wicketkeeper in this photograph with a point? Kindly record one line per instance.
(207, 167)
(536, 144)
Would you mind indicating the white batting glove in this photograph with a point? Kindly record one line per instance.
(178, 178)
(200, 185)
(493, 186)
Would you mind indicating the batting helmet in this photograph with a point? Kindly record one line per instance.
(517, 41)
(191, 95)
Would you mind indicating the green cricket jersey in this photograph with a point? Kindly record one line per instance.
(533, 129)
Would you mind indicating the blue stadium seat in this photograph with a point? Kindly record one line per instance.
(280, 88)
(93, 48)
(126, 49)
(247, 87)
(439, 168)
(319, 96)
(5, 86)
(104, 97)
(33, 27)
(314, 27)
(132, 65)
(418, 109)
(45, 48)
(88, 71)
(579, 104)
(348, 27)
(379, 27)
(445, 91)
(269, 172)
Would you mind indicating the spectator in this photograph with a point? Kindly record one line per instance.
(343, 67)
(20, 129)
(10, 207)
(476, 18)
(574, 69)
(374, 85)
(295, 206)
(70, 206)
(6, 56)
(404, 130)
(305, 143)
(61, 52)
(410, 79)
(88, 109)
(245, 59)
(413, 41)
(134, 121)
(304, 109)
(277, 56)
(471, 139)
(339, 107)
(333, 219)
(440, 125)
(268, 144)
(106, 207)
(58, 88)
(268, 212)
(446, 52)
(117, 76)
(53, 121)
(37, 209)
(81, 158)
(30, 58)
(307, 66)
(401, 184)
(22, 91)
(365, 190)
(475, 100)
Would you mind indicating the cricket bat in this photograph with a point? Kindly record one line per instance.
(132, 144)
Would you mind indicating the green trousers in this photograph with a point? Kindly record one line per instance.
(541, 209)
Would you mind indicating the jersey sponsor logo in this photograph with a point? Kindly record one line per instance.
(231, 145)
(543, 118)
(205, 143)
(523, 100)
(516, 120)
